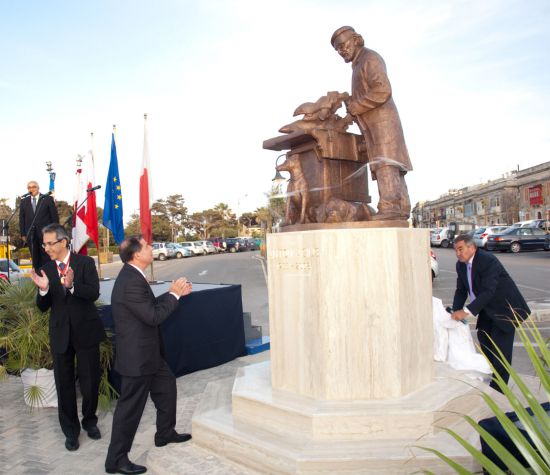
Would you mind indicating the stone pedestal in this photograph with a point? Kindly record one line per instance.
(350, 312)
(351, 387)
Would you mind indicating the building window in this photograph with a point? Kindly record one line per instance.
(535, 195)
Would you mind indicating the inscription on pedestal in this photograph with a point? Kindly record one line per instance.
(293, 261)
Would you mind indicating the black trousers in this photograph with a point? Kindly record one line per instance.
(89, 375)
(504, 340)
(129, 409)
(38, 254)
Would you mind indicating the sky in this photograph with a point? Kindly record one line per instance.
(470, 80)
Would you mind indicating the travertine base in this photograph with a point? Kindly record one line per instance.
(274, 432)
(350, 387)
(350, 312)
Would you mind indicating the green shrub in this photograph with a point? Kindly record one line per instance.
(538, 454)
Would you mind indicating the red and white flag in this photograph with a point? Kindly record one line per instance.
(85, 210)
(145, 190)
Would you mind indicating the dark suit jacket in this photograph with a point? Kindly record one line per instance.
(497, 296)
(46, 213)
(137, 314)
(73, 315)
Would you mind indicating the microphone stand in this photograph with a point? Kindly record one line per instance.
(6, 229)
(70, 217)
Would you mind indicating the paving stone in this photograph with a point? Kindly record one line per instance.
(31, 442)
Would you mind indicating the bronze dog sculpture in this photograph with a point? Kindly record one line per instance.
(297, 191)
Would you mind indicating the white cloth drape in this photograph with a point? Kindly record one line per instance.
(453, 343)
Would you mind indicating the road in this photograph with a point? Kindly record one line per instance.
(530, 270)
(244, 268)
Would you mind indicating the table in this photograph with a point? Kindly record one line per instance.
(205, 330)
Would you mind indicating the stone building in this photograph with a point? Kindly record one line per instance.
(516, 196)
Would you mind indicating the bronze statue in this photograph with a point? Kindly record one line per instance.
(372, 106)
(328, 165)
(320, 114)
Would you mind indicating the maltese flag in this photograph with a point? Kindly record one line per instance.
(145, 190)
(85, 210)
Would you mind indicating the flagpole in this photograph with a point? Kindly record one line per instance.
(108, 238)
(99, 248)
(144, 138)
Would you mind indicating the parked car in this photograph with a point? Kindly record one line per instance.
(517, 239)
(532, 223)
(16, 273)
(162, 252)
(440, 237)
(208, 247)
(249, 244)
(219, 243)
(179, 250)
(547, 243)
(234, 245)
(194, 247)
(434, 265)
(482, 234)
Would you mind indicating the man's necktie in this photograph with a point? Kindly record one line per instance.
(34, 204)
(469, 275)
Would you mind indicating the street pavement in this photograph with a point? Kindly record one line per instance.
(32, 442)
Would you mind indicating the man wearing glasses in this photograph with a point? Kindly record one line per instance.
(35, 212)
(69, 286)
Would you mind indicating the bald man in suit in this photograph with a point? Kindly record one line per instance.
(35, 212)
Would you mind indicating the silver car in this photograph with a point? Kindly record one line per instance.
(208, 247)
(162, 252)
(480, 238)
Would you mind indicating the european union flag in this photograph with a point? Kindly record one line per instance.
(112, 214)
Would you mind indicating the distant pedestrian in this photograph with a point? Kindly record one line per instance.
(494, 298)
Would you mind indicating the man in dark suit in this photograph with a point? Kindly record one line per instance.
(494, 298)
(35, 212)
(140, 358)
(69, 286)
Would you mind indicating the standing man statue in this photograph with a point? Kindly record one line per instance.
(372, 107)
(35, 212)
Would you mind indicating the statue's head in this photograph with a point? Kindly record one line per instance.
(347, 42)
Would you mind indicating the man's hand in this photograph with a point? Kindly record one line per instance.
(459, 315)
(69, 278)
(41, 281)
(181, 287)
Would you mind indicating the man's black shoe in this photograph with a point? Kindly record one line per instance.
(93, 433)
(128, 469)
(71, 444)
(175, 439)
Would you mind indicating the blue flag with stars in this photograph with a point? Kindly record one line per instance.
(112, 214)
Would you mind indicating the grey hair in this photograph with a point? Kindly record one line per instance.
(466, 239)
(59, 230)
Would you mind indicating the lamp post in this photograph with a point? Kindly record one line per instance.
(278, 179)
(51, 173)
